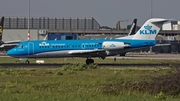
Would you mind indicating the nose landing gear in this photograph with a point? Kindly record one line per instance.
(27, 62)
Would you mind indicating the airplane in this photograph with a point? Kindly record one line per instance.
(102, 48)
(8, 44)
(1, 29)
(132, 30)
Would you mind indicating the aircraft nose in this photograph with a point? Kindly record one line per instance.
(10, 52)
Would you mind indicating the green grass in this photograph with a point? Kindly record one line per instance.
(49, 84)
(79, 82)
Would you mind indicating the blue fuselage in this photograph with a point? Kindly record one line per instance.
(70, 48)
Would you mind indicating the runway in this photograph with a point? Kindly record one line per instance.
(99, 65)
(149, 56)
(114, 65)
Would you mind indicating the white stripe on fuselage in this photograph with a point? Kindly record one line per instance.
(55, 54)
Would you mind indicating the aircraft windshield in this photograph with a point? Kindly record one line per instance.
(20, 46)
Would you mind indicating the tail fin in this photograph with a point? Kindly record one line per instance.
(132, 31)
(150, 29)
(1, 27)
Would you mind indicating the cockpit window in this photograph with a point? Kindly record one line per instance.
(20, 46)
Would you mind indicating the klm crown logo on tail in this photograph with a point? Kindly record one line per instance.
(148, 30)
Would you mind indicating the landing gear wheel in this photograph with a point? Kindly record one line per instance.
(87, 62)
(27, 62)
(91, 60)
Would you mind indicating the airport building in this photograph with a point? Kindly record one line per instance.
(15, 28)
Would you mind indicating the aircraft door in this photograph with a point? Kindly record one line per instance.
(83, 46)
(30, 48)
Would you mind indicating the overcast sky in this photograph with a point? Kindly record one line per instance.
(106, 12)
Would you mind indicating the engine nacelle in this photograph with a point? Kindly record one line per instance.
(114, 45)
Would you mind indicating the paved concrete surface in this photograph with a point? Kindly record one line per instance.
(149, 56)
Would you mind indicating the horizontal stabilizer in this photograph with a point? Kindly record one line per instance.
(157, 20)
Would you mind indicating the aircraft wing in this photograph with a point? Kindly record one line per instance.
(92, 53)
(84, 51)
(162, 44)
(12, 42)
(7, 45)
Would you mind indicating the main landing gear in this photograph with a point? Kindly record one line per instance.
(122, 54)
(89, 61)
